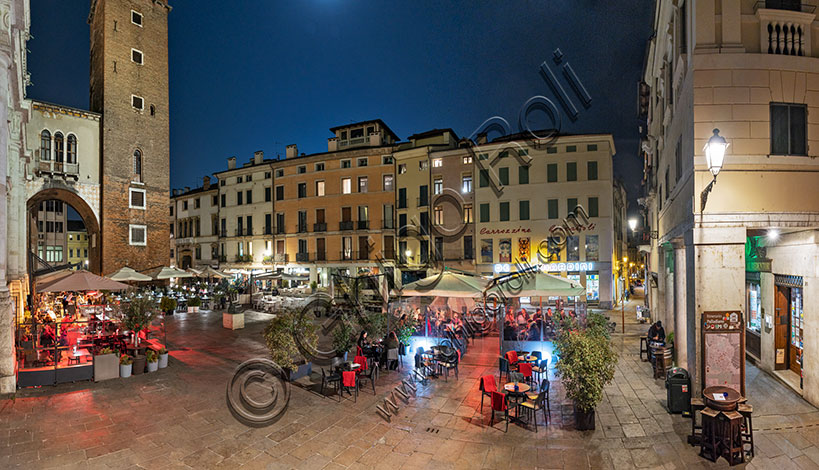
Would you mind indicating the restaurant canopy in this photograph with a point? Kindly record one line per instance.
(210, 272)
(83, 281)
(446, 284)
(534, 284)
(164, 272)
(127, 274)
(45, 279)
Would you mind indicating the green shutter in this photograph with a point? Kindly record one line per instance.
(592, 171)
(524, 210)
(551, 172)
(593, 209)
(552, 208)
(571, 203)
(503, 175)
(571, 171)
(504, 211)
(483, 178)
(523, 175)
(484, 212)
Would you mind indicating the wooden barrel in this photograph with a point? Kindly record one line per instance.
(662, 361)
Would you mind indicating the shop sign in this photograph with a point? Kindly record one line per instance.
(573, 266)
(500, 231)
(780, 356)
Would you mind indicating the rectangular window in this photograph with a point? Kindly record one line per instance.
(437, 162)
(196, 203)
(239, 198)
(268, 175)
(402, 168)
(469, 250)
(468, 217)
(591, 147)
(484, 212)
(302, 190)
(523, 175)
(137, 199)
(389, 216)
(346, 163)
(468, 160)
(483, 178)
(571, 148)
(593, 207)
(571, 204)
(346, 185)
(423, 195)
(788, 129)
(402, 198)
(137, 235)
(592, 248)
(362, 162)
(466, 184)
(524, 210)
(136, 18)
(573, 248)
(386, 160)
(591, 170)
(437, 186)
(136, 56)
(678, 160)
(320, 166)
(423, 165)
(487, 245)
(571, 171)
(362, 184)
(279, 173)
(503, 176)
(249, 196)
(438, 215)
(268, 194)
(280, 228)
(319, 188)
(504, 211)
(388, 182)
(137, 103)
(551, 149)
(280, 193)
(224, 198)
(551, 172)
(184, 205)
(268, 224)
(552, 208)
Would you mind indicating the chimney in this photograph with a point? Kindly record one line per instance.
(292, 151)
(232, 163)
(187, 189)
(332, 144)
(175, 192)
(206, 183)
(481, 139)
(258, 156)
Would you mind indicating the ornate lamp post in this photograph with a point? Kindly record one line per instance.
(714, 156)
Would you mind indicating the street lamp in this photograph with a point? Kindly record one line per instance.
(714, 156)
(632, 223)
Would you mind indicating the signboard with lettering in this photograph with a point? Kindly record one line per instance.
(723, 350)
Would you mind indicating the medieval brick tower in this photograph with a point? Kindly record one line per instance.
(129, 86)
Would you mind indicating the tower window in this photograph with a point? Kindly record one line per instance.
(153, 110)
(137, 235)
(137, 165)
(45, 145)
(136, 18)
(137, 199)
(136, 56)
(71, 153)
(59, 147)
(137, 102)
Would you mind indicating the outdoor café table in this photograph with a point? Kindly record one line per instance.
(527, 358)
(348, 366)
(729, 398)
(516, 395)
(75, 357)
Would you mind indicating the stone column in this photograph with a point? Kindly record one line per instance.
(719, 280)
(7, 353)
(680, 307)
(767, 349)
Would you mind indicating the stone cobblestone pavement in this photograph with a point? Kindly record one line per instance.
(177, 419)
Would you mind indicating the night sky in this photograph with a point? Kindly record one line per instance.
(259, 75)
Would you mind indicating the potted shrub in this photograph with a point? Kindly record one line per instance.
(291, 338)
(163, 358)
(126, 364)
(153, 360)
(137, 315)
(404, 330)
(106, 365)
(193, 304)
(586, 362)
(313, 287)
(343, 337)
(167, 305)
(374, 323)
(232, 319)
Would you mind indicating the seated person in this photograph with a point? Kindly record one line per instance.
(656, 333)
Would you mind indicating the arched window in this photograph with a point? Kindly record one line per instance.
(59, 147)
(45, 145)
(138, 165)
(71, 150)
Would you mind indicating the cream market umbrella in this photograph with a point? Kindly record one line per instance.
(48, 278)
(127, 274)
(534, 284)
(210, 272)
(83, 281)
(446, 284)
(168, 273)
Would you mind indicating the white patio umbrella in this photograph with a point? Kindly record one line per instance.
(127, 274)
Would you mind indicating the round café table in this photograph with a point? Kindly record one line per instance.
(522, 387)
(527, 358)
(728, 401)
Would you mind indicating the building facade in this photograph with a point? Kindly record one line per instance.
(194, 226)
(77, 243)
(751, 70)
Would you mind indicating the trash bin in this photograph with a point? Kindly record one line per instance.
(678, 390)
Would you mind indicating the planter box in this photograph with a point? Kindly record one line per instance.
(125, 370)
(583, 421)
(153, 366)
(304, 370)
(106, 366)
(163, 361)
(193, 309)
(244, 299)
(233, 321)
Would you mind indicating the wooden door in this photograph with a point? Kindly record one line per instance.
(795, 331)
(781, 328)
(319, 216)
(320, 249)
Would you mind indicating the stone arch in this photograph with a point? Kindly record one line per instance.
(89, 218)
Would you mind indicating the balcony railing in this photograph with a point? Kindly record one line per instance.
(302, 257)
(281, 258)
(363, 224)
(388, 254)
(347, 255)
(268, 230)
(223, 233)
(301, 228)
(322, 227)
(243, 258)
(345, 225)
(58, 168)
(785, 31)
(244, 232)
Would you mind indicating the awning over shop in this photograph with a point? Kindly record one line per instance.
(446, 284)
(534, 284)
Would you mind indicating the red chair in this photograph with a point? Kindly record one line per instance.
(499, 405)
(349, 383)
(512, 357)
(362, 361)
(488, 386)
(525, 369)
(359, 351)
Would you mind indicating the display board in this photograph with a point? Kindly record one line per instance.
(723, 350)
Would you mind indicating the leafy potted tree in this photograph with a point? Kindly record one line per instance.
(153, 360)
(313, 287)
(374, 323)
(343, 337)
(163, 358)
(167, 305)
(105, 365)
(126, 364)
(586, 362)
(193, 304)
(291, 337)
(233, 319)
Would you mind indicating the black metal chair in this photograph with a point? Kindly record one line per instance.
(370, 374)
(449, 361)
(531, 407)
(333, 379)
(545, 385)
